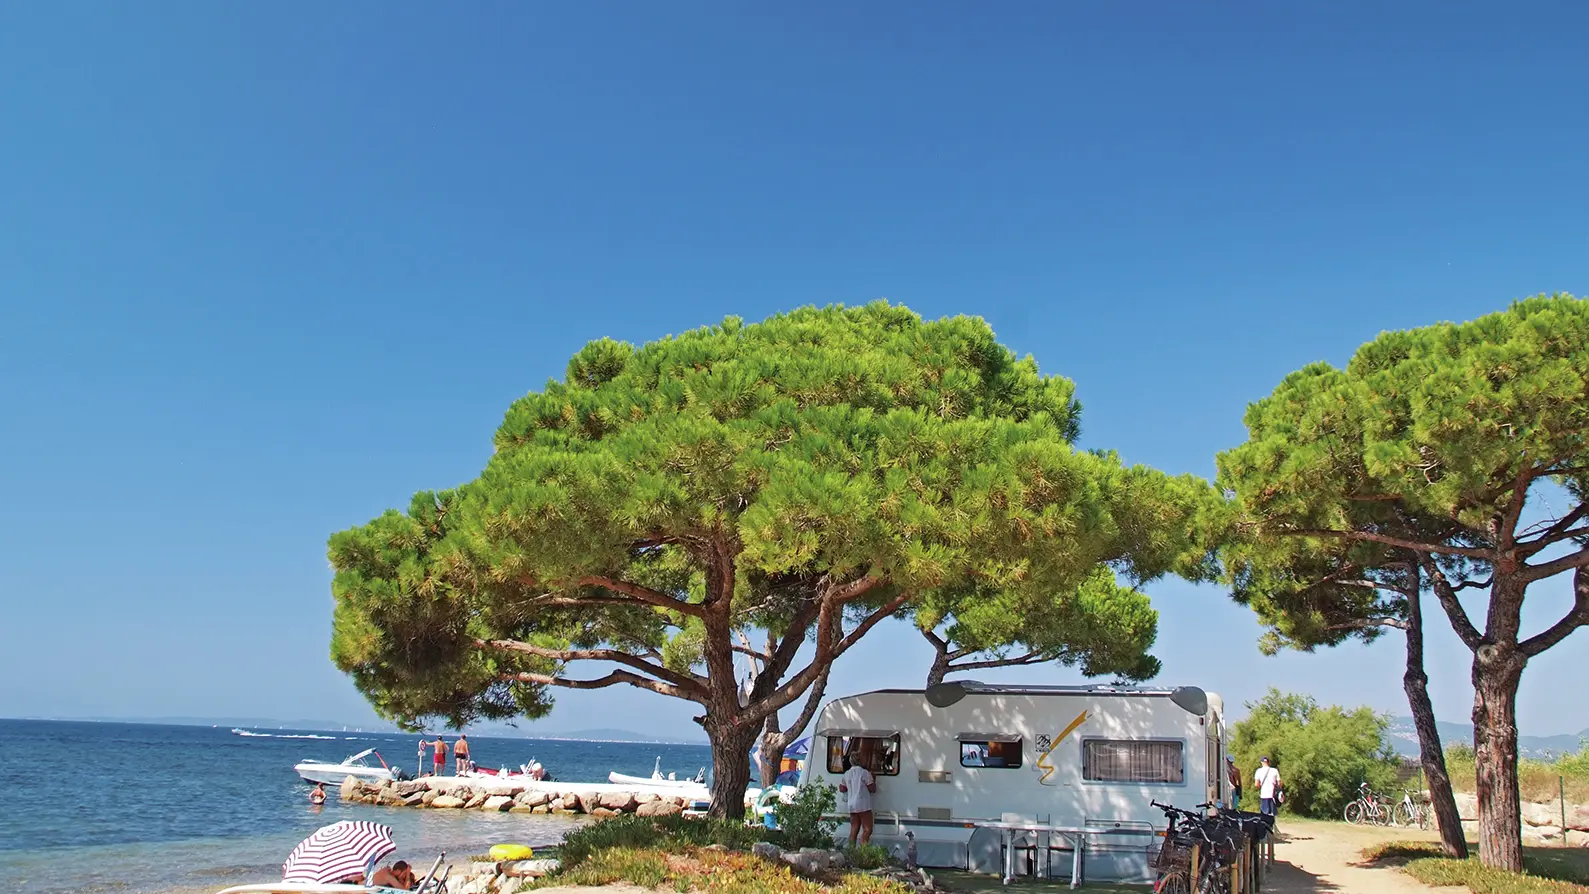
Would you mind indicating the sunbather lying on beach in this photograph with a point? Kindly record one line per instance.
(398, 875)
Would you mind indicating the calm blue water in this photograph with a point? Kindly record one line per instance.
(123, 807)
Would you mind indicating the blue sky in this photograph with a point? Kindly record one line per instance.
(267, 269)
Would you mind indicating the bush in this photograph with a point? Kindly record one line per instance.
(1322, 753)
(803, 821)
(663, 833)
(869, 856)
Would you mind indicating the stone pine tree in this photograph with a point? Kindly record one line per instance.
(1103, 628)
(1463, 447)
(811, 475)
(1314, 593)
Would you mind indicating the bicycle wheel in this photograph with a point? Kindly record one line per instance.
(1404, 814)
(1382, 814)
(1354, 813)
(1177, 882)
(1423, 816)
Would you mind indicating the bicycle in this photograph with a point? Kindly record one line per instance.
(1409, 812)
(1201, 852)
(1367, 808)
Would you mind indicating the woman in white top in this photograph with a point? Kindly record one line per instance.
(859, 783)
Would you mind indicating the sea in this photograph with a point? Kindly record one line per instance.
(132, 808)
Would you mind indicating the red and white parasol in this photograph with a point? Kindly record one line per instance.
(338, 852)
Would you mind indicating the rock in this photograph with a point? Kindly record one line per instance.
(765, 850)
(564, 811)
(604, 811)
(416, 799)
(541, 809)
(429, 798)
(662, 807)
(1540, 814)
(1578, 817)
(350, 788)
(509, 886)
(408, 788)
(646, 797)
(529, 868)
(588, 801)
(498, 803)
(476, 800)
(1576, 838)
(618, 801)
(806, 863)
(447, 801)
(520, 808)
(533, 799)
(822, 856)
(1467, 805)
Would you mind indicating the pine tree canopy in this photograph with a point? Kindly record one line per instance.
(809, 475)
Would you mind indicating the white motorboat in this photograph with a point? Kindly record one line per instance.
(657, 782)
(356, 765)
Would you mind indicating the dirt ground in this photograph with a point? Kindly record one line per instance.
(1314, 856)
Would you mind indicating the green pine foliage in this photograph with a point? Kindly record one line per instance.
(809, 475)
(1322, 753)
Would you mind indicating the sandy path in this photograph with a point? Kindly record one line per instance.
(1313, 856)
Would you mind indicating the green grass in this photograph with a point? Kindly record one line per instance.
(1546, 870)
(709, 872)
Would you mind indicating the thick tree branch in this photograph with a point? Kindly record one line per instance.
(643, 594)
(1531, 573)
(1447, 595)
(1577, 617)
(612, 679)
(827, 651)
(1414, 545)
(937, 641)
(1369, 623)
(1560, 530)
(1506, 537)
(1028, 658)
(616, 656)
(813, 701)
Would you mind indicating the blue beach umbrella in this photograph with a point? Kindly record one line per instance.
(797, 749)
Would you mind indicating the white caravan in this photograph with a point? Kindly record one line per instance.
(953, 759)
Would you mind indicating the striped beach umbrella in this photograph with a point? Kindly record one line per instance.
(338, 851)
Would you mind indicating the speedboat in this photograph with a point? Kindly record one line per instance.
(357, 766)
(657, 782)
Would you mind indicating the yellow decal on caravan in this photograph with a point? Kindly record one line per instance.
(1042, 759)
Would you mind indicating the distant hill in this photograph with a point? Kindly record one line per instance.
(1403, 738)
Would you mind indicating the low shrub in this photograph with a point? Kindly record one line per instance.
(869, 856)
(803, 822)
(662, 833)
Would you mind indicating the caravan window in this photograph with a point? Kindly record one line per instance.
(876, 750)
(990, 751)
(1133, 761)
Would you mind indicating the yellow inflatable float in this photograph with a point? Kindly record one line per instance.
(511, 852)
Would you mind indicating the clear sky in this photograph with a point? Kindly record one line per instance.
(266, 269)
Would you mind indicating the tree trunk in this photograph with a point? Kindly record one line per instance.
(940, 659)
(1497, 671)
(769, 753)
(1416, 681)
(731, 745)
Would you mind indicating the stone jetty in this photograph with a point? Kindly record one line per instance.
(465, 793)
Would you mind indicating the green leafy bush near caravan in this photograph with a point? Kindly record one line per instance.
(1322, 753)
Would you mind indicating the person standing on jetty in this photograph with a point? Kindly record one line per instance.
(460, 753)
(438, 758)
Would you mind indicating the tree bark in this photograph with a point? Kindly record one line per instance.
(769, 757)
(940, 658)
(1416, 681)
(1497, 671)
(731, 744)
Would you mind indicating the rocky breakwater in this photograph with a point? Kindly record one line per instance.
(1542, 823)
(453, 793)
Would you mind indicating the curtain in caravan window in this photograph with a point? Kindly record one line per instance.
(1139, 762)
